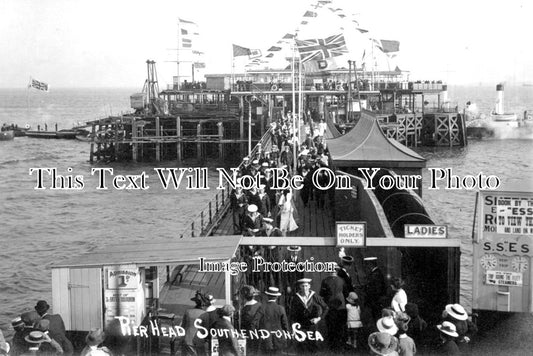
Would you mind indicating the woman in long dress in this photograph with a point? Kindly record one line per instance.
(286, 211)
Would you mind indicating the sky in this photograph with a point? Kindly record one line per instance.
(105, 43)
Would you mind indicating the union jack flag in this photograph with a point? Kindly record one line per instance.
(320, 49)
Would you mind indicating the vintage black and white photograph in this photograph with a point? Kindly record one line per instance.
(252, 177)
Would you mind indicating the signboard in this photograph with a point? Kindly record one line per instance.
(351, 234)
(503, 278)
(122, 277)
(214, 346)
(425, 231)
(121, 303)
(502, 252)
(506, 213)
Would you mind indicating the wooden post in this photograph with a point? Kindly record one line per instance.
(157, 144)
(178, 139)
(227, 286)
(116, 136)
(91, 154)
(199, 141)
(134, 138)
(241, 124)
(450, 129)
(220, 125)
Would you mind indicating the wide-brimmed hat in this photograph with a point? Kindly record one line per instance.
(294, 248)
(456, 311)
(95, 337)
(387, 325)
(304, 280)
(264, 164)
(273, 291)
(268, 220)
(252, 208)
(255, 162)
(35, 337)
(382, 343)
(42, 306)
(352, 297)
(17, 322)
(448, 328)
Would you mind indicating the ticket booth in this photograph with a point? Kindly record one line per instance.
(126, 280)
(502, 251)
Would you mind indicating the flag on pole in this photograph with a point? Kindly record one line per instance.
(388, 46)
(188, 29)
(39, 85)
(240, 51)
(320, 49)
(288, 36)
(310, 14)
(274, 49)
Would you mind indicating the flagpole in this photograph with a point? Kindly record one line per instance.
(300, 98)
(293, 109)
(178, 55)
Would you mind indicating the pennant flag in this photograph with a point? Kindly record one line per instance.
(184, 31)
(362, 30)
(186, 22)
(199, 65)
(388, 46)
(187, 29)
(324, 2)
(198, 53)
(274, 49)
(310, 14)
(319, 49)
(39, 85)
(270, 55)
(341, 16)
(240, 51)
(288, 36)
(303, 23)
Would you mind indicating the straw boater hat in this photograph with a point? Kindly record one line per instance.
(268, 220)
(95, 337)
(352, 297)
(382, 343)
(35, 337)
(17, 322)
(304, 280)
(246, 159)
(264, 164)
(252, 208)
(294, 248)
(347, 259)
(273, 291)
(368, 259)
(456, 311)
(448, 328)
(387, 325)
(255, 162)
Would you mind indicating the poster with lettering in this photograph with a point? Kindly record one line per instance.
(123, 277)
(506, 213)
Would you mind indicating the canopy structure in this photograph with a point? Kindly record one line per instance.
(331, 130)
(159, 252)
(367, 146)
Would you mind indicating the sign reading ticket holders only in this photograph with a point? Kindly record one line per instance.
(351, 234)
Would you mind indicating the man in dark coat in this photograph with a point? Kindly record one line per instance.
(342, 272)
(227, 343)
(238, 201)
(188, 348)
(18, 344)
(332, 292)
(56, 327)
(252, 223)
(251, 314)
(273, 319)
(375, 287)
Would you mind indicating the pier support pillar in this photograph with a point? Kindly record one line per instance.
(220, 125)
(134, 139)
(91, 154)
(199, 142)
(178, 140)
(158, 143)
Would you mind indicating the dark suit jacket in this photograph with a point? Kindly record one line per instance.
(273, 318)
(301, 313)
(332, 292)
(227, 346)
(58, 333)
(348, 283)
(188, 324)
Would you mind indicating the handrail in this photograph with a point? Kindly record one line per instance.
(209, 217)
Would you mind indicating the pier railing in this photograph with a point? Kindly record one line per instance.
(211, 215)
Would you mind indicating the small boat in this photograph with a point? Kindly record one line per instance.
(7, 135)
(41, 134)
